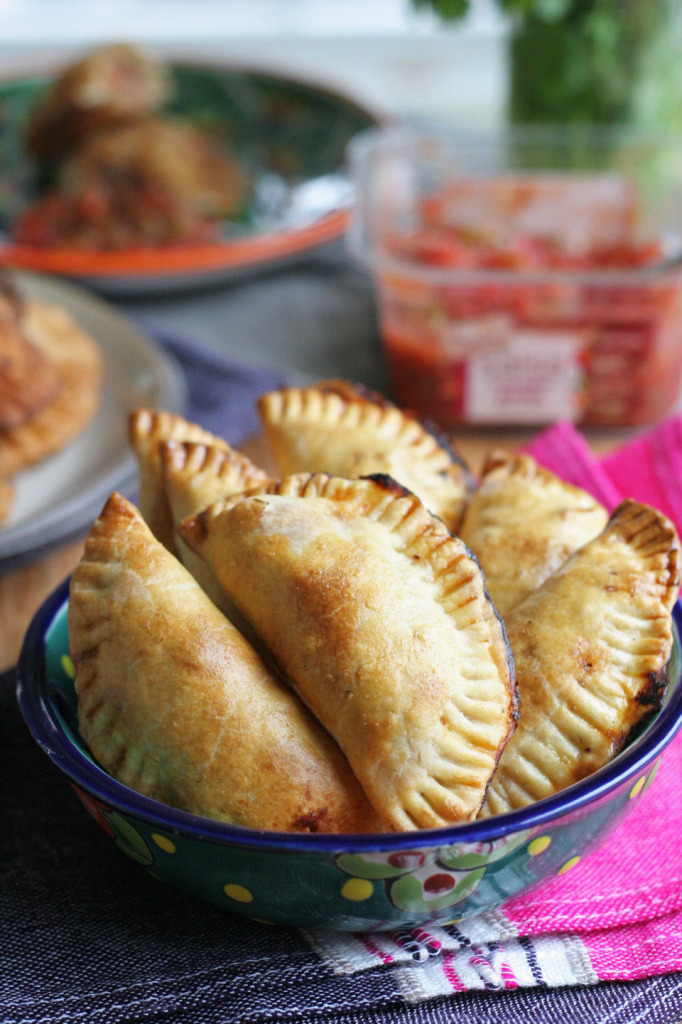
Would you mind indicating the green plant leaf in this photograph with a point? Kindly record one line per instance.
(448, 10)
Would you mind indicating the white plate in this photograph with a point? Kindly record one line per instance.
(59, 497)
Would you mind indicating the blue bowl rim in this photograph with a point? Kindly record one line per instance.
(46, 729)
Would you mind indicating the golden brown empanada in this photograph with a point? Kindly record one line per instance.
(194, 476)
(116, 84)
(523, 522)
(11, 301)
(167, 156)
(591, 647)
(339, 428)
(28, 378)
(6, 498)
(77, 360)
(379, 618)
(174, 703)
(146, 430)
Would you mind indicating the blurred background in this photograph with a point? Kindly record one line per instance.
(467, 62)
(389, 52)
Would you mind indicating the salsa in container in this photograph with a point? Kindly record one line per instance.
(523, 279)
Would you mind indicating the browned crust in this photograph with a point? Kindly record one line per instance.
(189, 461)
(355, 393)
(591, 646)
(147, 429)
(91, 95)
(28, 378)
(347, 430)
(78, 363)
(324, 598)
(175, 703)
(6, 498)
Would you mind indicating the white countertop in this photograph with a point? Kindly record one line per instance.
(382, 51)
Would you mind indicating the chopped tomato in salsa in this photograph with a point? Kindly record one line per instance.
(98, 218)
(576, 341)
(449, 247)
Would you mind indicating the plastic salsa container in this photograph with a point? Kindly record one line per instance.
(525, 278)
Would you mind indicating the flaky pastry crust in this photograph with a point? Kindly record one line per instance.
(591, 647)
(174, 703)
(379, 618)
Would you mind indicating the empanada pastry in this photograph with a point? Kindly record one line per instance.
(78, 363)
(379, 619)
(28, 378)
(174, 703)
(155, 182)
(591, 647)
(11, 301)
(6, 498)
(146, 430)
(342, 429)
(163, 154)
(116, 84)
(194, 476)
(523, 522)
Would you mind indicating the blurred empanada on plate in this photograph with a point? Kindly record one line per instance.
(342, 429)
(78, 363)
(28, 377)
(174, 703)
(379, 618)
(6, 498)
(116, 84)
(591, 647)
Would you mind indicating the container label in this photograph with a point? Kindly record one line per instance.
(536, 377)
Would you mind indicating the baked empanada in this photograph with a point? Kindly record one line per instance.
(172, 158)
(28, 378)
(194, 476)
(523, 522)
(591, 647)
(78, 364)
(146, 430)
(379, 619)
(11, 301)
(6, 498)
(116, 84)
(174, 703)
(338, 428)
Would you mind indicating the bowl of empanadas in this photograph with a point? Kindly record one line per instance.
(356, 688)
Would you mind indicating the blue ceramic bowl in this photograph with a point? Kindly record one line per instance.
(342, 882)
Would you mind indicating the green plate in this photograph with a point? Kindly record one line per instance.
(289, 133)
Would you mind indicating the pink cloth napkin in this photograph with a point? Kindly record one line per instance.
(618, 914)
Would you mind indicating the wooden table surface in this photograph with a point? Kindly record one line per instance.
(22, 591)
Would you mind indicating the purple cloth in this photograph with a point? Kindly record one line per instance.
(221, 394)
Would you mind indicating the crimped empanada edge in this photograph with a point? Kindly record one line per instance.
(411, 520)
(275, 408)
